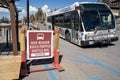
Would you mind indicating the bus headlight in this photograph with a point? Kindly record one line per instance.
(88, 37)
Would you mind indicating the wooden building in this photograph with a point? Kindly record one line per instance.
(115, 6)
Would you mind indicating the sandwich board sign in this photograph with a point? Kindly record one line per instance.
(39, 44)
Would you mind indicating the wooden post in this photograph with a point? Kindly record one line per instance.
(22, 39)
(56, 52)
(24, 70)
(13, 27)
(56, 39)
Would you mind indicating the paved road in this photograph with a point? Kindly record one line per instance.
(92, 63)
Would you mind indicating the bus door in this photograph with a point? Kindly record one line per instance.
(74, 26)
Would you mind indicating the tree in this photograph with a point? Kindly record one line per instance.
(55, 9)
(4, 19)
(32, 18)
(40, 16)
(107, 2)
(99, 0)
(24, 20)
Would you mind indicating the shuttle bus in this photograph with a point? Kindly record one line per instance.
(85, 23)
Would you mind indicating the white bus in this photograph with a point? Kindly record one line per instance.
(85, 23)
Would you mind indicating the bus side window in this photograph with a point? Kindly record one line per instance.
(67, 20)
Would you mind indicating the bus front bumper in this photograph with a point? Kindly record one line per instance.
(100, 41)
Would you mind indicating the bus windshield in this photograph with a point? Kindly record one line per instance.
(98, 19)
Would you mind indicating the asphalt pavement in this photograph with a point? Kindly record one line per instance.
(91, 63)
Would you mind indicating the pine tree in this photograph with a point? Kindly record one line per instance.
(32, 18)
(39, 15)
(107, 2)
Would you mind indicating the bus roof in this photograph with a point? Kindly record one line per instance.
(70, 8)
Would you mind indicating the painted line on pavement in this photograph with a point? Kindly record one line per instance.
(73, 51)
(80, 61)
(51, 73)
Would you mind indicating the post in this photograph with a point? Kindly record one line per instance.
(17, 28)
(7, 38)
(23, 53)
(22, 40)
(56, 39)
(28, 14)
(56, 48)
(13, 28)
(56, 51)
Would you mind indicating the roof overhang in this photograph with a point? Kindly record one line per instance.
(6, 4)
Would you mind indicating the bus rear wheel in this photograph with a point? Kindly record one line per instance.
(67, 36)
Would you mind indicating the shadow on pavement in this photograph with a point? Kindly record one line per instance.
(99, 46)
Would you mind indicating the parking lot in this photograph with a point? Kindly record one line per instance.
(90, 63)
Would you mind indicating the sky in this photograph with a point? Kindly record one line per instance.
(44, 4)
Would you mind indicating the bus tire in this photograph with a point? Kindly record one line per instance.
(68, 37)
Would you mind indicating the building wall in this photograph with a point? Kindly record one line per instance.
(115, 6)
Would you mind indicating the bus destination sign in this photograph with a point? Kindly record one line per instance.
(39, 44)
